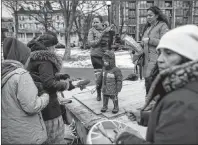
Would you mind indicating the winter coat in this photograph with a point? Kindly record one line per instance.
(100, 41)
(43, 66)
(150, 54)
(112, 76)
(174, 119)
(22, 122)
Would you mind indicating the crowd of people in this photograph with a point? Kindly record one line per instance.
(30, 81)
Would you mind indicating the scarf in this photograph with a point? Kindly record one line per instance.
(173, 78)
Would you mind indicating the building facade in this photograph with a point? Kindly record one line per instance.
(31, 24)
(131, 14)
(7, 25)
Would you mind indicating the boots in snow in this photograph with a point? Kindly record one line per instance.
(105, 104)
(116, 107)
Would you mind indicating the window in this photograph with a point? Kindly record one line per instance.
(57, 17)
(29, 35)
(20, 26)
(21, 35)
(37, 26)
(58, 25)
(21, 18)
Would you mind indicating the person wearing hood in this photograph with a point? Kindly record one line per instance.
(100, 39)
(22, 122)
(111, 81)
(174, 118)
(44, 66)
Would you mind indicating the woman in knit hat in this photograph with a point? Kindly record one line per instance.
(22, 122)
(174, 119)
(44, 66)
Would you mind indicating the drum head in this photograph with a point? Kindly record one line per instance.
(98, 132)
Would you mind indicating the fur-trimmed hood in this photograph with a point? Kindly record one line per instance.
(45, 55)
(173, 78)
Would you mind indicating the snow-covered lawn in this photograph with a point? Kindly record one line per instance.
(81, 58)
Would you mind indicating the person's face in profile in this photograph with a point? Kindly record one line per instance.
(97, 23)
(151, 17)
(167, 59)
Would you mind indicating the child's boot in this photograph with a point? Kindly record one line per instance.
(105, 104)
(116, 107)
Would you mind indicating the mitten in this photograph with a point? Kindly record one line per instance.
(71, 86)
(62, 76)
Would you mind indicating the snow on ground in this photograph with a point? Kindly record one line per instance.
(81, 59)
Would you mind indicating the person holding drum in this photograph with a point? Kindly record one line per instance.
(174, 118)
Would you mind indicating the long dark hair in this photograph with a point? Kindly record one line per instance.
(99, 17)
(161, 17)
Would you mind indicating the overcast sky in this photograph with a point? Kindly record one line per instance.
(5, 12)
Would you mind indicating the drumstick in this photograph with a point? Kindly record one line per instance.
(62, 94)
(104, 134)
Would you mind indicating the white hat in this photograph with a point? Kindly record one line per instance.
(182, 40)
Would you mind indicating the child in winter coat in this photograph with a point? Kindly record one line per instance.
(111, 81)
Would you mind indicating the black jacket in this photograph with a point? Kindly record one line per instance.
(43, 66)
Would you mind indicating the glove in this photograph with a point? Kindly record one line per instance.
(71, 86)
(62, 76)
(82, 84)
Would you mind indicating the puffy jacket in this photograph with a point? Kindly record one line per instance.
(112, 76)
(100, 41)
(22, 122)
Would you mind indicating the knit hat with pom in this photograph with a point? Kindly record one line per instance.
(182, 40)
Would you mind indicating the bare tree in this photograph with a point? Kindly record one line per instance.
(13, 6)
(69, 11)
(42, 12)
(83, 18)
